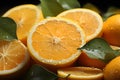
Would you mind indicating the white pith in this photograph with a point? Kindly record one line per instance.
(57, 40)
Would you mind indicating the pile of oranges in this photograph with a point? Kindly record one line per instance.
(52, 42)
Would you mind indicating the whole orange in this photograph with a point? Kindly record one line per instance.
(111, 30)
(112, 70)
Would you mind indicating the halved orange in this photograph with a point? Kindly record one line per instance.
(25, 16)
(14, 57)
(90, 21)
(80, 73)
(54, 41)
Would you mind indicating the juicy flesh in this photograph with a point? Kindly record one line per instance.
(25, 19)
(88, 22)
(82, 71)
(11, 55)
(56, 40)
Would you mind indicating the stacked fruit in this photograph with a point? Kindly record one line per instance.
(60, 42)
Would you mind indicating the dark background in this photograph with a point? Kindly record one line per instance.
(101, 4)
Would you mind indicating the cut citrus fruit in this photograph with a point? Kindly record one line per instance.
(89, 20)
(54, 42)
(25, 16)
(115, 47)
(80, 73)
(13, 57)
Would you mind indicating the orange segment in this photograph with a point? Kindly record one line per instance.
(54, 41)
(80, 73)
(90, 21)
(25, 16)
(13, 57)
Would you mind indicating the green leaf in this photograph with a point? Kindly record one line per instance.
(50, 8)
(38, 72)
(98, 48)
(92, 7)
(7, 28)
(111, 11)
(69, 4)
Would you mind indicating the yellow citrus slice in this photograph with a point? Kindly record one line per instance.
(89, 20)
(25, 16)
(115, 47)
(80, 73)
(54, 42)
(14, 57)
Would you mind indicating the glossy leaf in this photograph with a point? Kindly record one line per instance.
(69, 4)
(38, 72)
(98, 48)
(111, 11)
(7, 28)
(50, 8)
(92, 7)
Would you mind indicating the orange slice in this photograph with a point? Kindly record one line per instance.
(25, 16)
(115, 47)
(90, 21)
(53, 42)
(13, 58)
(80, 73)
